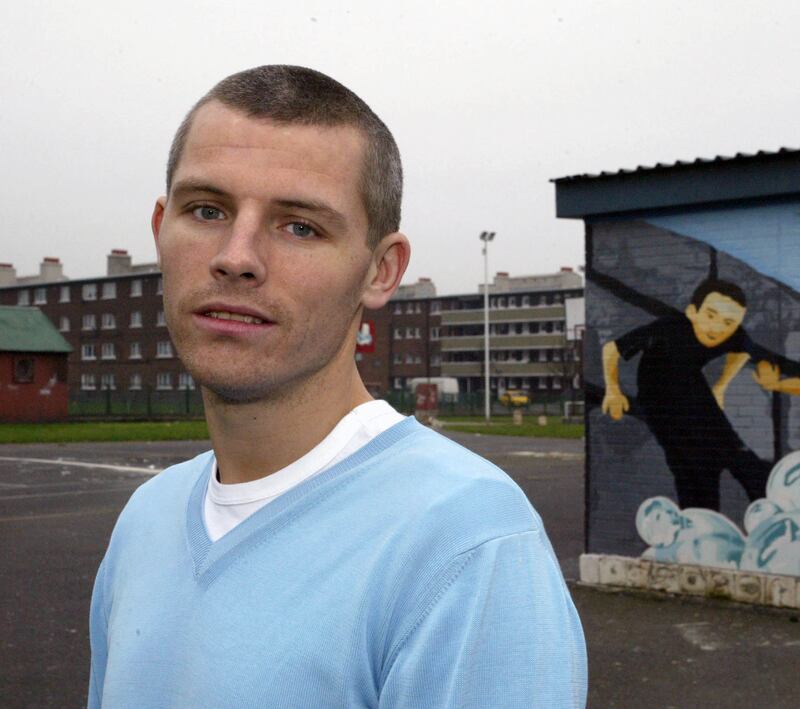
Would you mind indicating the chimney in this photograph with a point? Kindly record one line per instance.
(8, 274)
(424, 279)
(566, 269)
(51, 269)
(118, 262)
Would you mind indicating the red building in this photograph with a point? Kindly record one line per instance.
(33, 367)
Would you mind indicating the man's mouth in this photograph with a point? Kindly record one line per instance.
(240, 317)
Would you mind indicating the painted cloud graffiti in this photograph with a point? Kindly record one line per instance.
(702, 536)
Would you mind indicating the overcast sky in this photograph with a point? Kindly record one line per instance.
(487, 101)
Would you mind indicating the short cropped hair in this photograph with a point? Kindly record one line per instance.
(294, 94)
(713, 285)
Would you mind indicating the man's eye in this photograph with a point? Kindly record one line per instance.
(300, 229)
(208, 213)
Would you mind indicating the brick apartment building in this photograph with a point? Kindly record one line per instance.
(115, 325)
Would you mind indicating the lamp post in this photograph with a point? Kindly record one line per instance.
(486, 237)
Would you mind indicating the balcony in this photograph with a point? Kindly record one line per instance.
(503, 342)
(503, 369)
(503, 315)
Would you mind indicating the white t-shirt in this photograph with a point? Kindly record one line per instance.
(228, 505)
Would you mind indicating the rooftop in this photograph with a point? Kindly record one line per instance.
(29, 330)
(743, 176)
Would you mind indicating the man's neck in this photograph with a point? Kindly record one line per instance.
(256, 439)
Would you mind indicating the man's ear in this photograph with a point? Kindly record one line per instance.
(389, 262)
(691, 312)
(155, 223)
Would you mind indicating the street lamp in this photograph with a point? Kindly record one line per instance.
(486, 237)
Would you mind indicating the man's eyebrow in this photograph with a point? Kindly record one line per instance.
(310, 205)
(190, 185)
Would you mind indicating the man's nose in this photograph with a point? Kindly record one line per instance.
(241, 255)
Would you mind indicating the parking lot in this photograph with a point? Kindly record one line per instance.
(58, 504)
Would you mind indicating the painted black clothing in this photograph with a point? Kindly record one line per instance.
(682, 413)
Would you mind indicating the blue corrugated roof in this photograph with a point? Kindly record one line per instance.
(742, 157)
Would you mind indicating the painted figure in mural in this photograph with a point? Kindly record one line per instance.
(683, 412)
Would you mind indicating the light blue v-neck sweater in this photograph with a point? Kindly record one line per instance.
(413, 574)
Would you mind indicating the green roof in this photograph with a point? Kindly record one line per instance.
(29, 330)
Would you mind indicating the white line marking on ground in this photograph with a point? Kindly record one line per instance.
(80, 464)
(547, 454)
(701, 635)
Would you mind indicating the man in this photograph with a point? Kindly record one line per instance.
(328, 552)
(684, 414)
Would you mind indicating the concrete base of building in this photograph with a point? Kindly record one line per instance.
(685, 579)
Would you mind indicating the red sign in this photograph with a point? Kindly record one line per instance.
(427, 396)
(365, 338)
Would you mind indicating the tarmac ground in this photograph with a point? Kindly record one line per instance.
(58, 504)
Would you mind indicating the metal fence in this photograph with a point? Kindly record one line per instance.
(471, 404)
(157, 404)
(142, 404)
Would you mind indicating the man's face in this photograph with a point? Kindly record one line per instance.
(262, 244)
(716, 320)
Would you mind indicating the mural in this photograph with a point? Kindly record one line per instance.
(692, 379)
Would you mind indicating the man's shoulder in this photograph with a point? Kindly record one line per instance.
(428, 476)
(165, 489)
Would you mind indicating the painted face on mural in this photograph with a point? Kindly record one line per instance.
(717, 318)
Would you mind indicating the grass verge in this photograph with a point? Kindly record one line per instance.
(103, 431)
(504, 426)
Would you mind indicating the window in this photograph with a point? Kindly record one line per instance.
(436, 306)
(398, 333)
(23, 297)
(542, 355)
(398, 358)
(163, 380)
(159, 291)
(397, 383)
(560, 326)
(435, 333)
(109, 290)
(63, 324)
(512, 301)
(542, 382)
(417, 333)
(501, 302)
(526, 301)
(108, 321)
(409, 332)
(418, 307)
(108, 351)
(136, 318)
(435, 360)
(160, 321)
(136, 291)
(556, 382)
(23, 370)
(87, 382)
(135, 383)
(417, 359)
(40, 296)
(107, 381)
(534, 327)
(409, 307)
(136, 350)
(398, 308)
(409, 358)
(64, 295)
(88, 321)
(89, 291)
(185, 381)
(164, 350)
(88, 352)
(556, 355)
